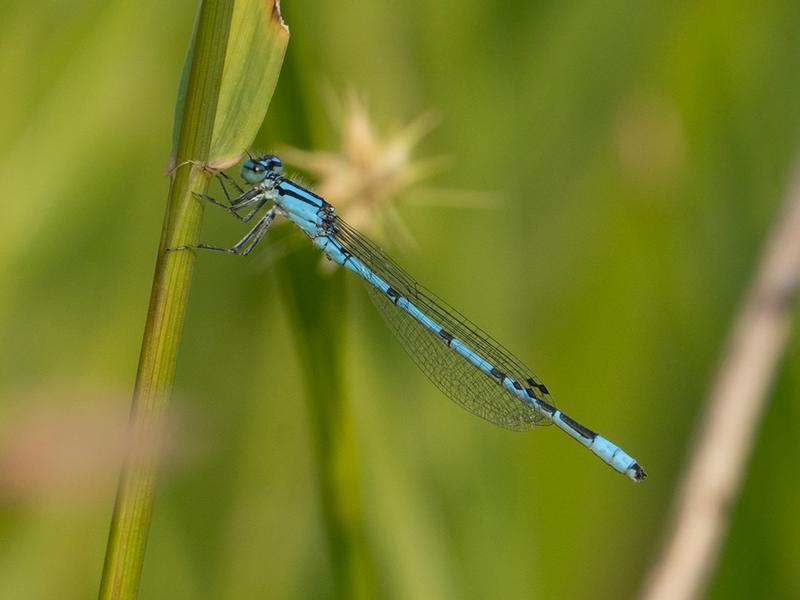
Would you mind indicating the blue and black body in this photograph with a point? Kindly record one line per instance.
(464, 362)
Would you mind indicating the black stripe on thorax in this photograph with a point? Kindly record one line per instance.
(289, 188)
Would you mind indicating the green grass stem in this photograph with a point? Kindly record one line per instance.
(213, 93)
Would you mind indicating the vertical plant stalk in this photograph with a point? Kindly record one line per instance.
(133, 507)
(233, 65)
(737, 401)
(232, 69)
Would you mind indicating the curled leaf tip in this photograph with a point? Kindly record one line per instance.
(276, 15)
(223, 162)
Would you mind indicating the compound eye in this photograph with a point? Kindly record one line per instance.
(253, 171)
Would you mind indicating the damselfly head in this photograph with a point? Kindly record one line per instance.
(256, 170)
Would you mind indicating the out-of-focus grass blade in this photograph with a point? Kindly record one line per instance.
(257, 44)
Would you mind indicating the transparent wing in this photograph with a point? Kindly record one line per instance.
(460, 380)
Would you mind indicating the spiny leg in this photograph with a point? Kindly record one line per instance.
(265, 222)
(222, 175)
(244, 246)
(213, 201)
(243, 194)
(258, 199)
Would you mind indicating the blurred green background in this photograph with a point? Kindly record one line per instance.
(633, 156)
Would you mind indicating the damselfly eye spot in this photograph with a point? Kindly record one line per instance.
(271, 163)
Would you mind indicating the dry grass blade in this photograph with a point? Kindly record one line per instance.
(735, 406)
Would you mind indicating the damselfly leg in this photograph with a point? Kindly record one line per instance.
(222, 175)
(255, 197)
(244, 246)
